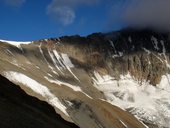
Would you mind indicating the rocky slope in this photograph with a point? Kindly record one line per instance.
(118, 79)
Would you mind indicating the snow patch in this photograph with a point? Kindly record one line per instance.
(165, 83)
(123, 124)
(112, 44)
(130, 39)
(120, 54)
(164, 54)
(9, 52)
(63, 62)
(37, 88)
(54, 60)
(49, 66)
(147, 51)
(68, 65)
(75, 88)
(158, 58)
(67, 61)
(37, 67)
(155, 42)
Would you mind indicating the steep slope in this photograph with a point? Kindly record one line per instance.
(19, 110)
(98, 80)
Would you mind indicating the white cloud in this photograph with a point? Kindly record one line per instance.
(64, 15)
(15, 3)
(63, 11)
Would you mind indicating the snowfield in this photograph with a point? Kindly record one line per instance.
(37, 88)
(146, 102)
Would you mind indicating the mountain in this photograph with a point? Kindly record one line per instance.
(113, 80)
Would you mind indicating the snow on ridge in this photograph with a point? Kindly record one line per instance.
(37, 88)
(16, 43)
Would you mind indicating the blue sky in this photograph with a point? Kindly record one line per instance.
(39, 19)
(25, 20)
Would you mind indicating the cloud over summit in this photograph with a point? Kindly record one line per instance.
(148, 13)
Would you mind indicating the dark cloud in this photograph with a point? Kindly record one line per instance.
(148, 13)
(16, 3)
(143, 13)
(64, 10)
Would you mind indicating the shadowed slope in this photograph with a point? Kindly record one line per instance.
(18, 110)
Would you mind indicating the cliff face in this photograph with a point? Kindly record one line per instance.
(144, 54)
(119, 79)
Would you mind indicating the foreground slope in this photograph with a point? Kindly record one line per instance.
(118, 79)
(19, 110)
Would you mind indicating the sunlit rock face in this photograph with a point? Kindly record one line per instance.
(113, 80)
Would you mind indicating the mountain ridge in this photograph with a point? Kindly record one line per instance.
(89, 80)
